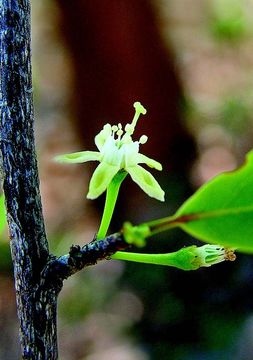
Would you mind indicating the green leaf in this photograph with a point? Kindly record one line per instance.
(221, 211)
(3, 221)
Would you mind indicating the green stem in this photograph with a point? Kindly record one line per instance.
(110, 201)
(164, 224)
(181, 259)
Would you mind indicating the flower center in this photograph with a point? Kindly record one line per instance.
(116, 145)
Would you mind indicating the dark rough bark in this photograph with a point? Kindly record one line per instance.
(36, 305)
(79, 257)
(38, 275)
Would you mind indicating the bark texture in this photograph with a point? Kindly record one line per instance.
(80, 257)
(36, 305)
(38, 275)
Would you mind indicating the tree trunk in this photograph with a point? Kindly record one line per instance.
(36, 304)
(38, 275)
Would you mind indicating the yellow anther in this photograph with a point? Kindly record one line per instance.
(129, 128)
(143, 139)
(119, 133)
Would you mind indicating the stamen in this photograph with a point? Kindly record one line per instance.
(119, 133)
(143, 139)
(129, 128)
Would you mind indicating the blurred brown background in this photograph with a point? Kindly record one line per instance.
(190, 63)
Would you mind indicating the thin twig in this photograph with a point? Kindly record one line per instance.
(80, 257)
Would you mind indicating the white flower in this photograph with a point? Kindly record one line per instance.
(208, 255)
(118, 151)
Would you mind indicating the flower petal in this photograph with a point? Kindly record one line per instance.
(143, 159)
(146, 181)
(78, 157)
(102, 136)
(130, 151)
(101, 178)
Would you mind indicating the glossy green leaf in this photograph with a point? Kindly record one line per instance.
(221, 211)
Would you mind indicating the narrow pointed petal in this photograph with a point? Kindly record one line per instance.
(102, 136)
(101, 178)
(146, 181)
(143, 159)
(78, 157)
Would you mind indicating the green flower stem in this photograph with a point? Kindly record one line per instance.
(110, 201)
(188, 258)
(181, 259)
